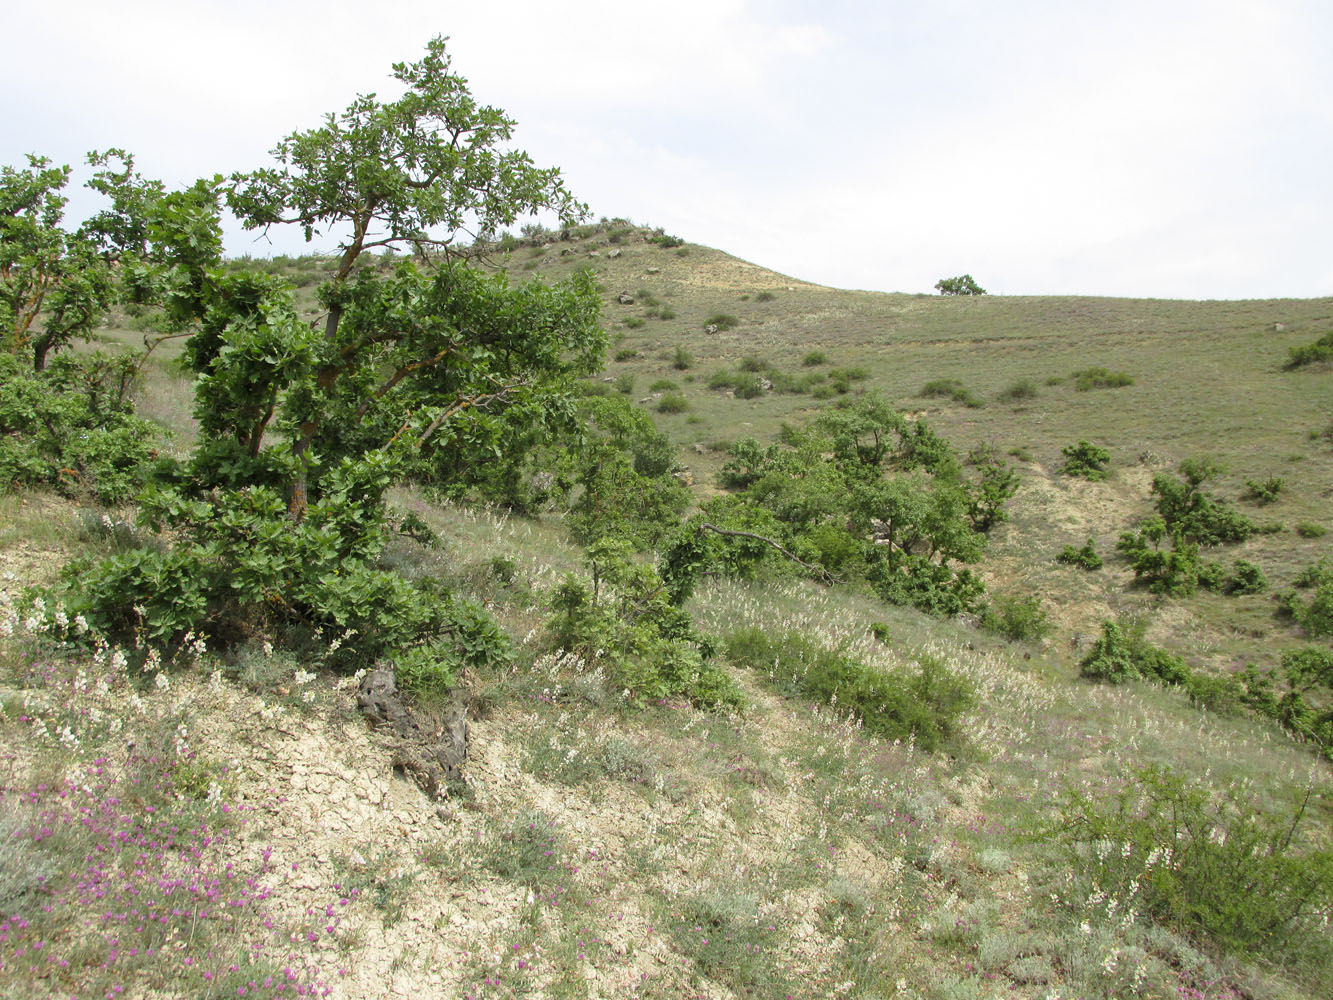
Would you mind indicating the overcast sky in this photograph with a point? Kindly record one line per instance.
(1167, 148)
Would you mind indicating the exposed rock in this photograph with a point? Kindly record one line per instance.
(700, 448)
(710, 328)
(654, 270)
(613, 254)
(434, 758)
(625, 299)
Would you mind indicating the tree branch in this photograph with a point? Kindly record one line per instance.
(824, 574)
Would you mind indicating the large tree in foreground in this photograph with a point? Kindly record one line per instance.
(426, 364)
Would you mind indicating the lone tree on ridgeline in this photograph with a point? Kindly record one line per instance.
(964, 284)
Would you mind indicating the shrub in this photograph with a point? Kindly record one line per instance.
(1320, 352)
(1308, 529)
(1086, 460)
(665, 313)
(1200, 864)
(1100, 378)
(1246, 578)
(663, 385)
(626, 354)
(625, 384)
(673, 402)
(666, 242)
(1265, 492)
(953, 389)
(765, 296)
(1018, 619)
(1085, 558)
(1122, 653)
(1021, 391)
(1190, 514)
(753, 363)
(723, 321)
(925, 706)
(635, 322)
(813, 358)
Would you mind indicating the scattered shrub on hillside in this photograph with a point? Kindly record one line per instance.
(1086, 460)
(626, 354)
(663, 385)
(1100, 378)
(951, 388)
(1085, 558)
(666, 242)
(765, 296)
(1021, 391)
(1018, 619)
(634, 322)
(1245, 578)
(1121, 653)
(1320, 352)
(813, 358)
(744, 385)
(1193, 515)
(622, 620)
(1021, 453)
(625, 383)
(1308, 529)
(645, 297)
(673, 402)
(723, 321)
(925, 706)
(1207, 867)
(753, 363)
(665, 313)
(1265, 492)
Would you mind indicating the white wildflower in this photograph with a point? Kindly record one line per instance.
(161, 682)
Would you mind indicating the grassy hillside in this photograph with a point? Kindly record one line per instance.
(232, 827)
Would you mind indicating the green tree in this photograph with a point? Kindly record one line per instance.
(428, 172)
(429, 368)
(964, 284)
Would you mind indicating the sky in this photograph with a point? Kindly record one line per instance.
(1167, 149)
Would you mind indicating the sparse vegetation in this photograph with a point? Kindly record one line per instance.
(1086, 460)
(1100, 378)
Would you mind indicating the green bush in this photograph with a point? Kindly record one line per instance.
(813, 358)
(1100, 378)
(723, 321)
(764, 296)
(1018, 619)
(72, 427)
(625, 622)
(1265, 492)
(666, 242)
(1308, 529)
(673, 402)
(951, 388)
(925, 706)
(1019, 392)
(634, 322)
(663, 385)
(1086, 460)
(682, 359)
(625, 384)
(626, 355)
(1085, 558)
(1205, 866)
(1320, 352)
(753, 363)
(1122, 653)
(1246, 578)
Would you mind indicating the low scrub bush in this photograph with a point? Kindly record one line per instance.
(673, 402)
(925, 706)
(1020, 392)
(1122, 654)
(1320, 352)
(626, 355)
(723, 321)
(1100, 378)
(1018, 619)
(1208, 867)
(1264, 492)
(1086, 460)
(951, 388)
(663, 385)
(1308, 529)
(681, 359)
(1084, 558)
(813, 358)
